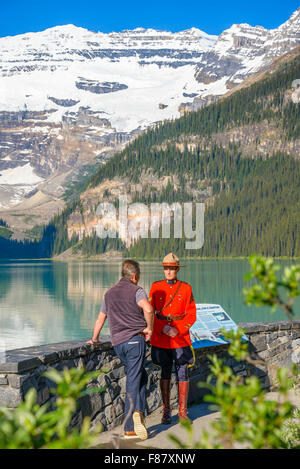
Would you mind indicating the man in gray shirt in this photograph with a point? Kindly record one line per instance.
(130, 319)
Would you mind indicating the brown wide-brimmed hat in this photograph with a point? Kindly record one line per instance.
(171, 260)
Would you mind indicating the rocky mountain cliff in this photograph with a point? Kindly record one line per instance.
(69, 98)
(243, 49)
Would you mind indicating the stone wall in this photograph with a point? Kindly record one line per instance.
(277, 343)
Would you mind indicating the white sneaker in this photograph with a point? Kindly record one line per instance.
(139, 425)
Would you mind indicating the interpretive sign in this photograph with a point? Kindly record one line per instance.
(205, 331)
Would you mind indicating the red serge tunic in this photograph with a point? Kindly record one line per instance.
(183, 304)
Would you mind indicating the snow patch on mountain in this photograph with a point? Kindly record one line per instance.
(20, 175)
(127, 109)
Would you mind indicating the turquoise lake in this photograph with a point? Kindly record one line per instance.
(47, 302)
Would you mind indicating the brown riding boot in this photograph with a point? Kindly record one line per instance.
(183, 391)
(165, 386)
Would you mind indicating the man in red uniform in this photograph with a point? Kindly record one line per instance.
(175, 313)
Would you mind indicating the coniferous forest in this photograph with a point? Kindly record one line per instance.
(254, 202)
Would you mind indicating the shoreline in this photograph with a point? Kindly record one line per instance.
(109, 258)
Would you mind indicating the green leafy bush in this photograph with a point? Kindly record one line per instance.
(31, 426)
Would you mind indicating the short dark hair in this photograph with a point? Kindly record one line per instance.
(130, 267)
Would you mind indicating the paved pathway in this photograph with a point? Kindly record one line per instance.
(200, 415)
(158, 434)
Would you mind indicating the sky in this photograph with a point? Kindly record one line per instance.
(22, 16)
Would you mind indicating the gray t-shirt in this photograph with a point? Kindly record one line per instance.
(140, 295)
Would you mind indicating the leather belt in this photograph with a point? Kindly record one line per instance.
(169, 317)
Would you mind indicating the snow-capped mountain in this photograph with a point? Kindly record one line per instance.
(66, 67)
(69, 95)
(243, 49)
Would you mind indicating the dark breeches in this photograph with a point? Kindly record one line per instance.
(182, 358)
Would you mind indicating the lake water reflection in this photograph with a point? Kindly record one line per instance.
(46, 302)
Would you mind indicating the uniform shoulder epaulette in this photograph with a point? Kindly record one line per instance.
(157, 281)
